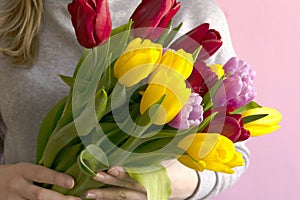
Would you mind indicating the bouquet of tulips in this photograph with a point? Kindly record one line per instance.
(138, 97)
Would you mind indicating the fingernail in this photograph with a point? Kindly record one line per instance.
(91, 196)
(69, 183)
(100, 177)
(114, 172)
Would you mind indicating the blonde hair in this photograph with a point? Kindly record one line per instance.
(19, 25)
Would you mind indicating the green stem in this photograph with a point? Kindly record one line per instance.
(91, 70)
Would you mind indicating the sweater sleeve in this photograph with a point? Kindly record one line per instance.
(193, 13)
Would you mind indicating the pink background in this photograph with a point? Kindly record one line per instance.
(266, 34)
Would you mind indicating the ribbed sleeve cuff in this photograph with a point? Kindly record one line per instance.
(206, 183)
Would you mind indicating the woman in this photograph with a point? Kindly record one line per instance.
(31, 87)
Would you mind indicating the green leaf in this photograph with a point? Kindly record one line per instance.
(83, 182)
(57, 142)
(252, 118)
(196, 53)
(168, 133)
(156, 145)
(108, 79)
(67, 79)
(66, 116)
(144, 121)
(164, 35)
(120, 92)
(48, 125)
(81, 126)
(155, 180)
(90, 73)
(67, 157)
(146, 159)
(172, 35)
(250, 105)
(207, 99)
(206, 122)
(92, 159)
(100, 103)
(112, 139)
(122, 28)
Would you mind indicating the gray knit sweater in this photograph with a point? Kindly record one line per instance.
(26, 95)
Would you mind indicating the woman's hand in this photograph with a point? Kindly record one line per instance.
(184, 182)
(16, 183)
(123, 186)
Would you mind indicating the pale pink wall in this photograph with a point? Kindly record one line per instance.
(266, 34)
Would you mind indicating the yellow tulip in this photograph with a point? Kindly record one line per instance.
(171, 84)
(138, 60)
(180, 61)
(218, 69)
(264, 125)
(210, 151)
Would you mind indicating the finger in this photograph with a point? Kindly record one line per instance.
(34, 192)
(116, 193)
(120, 173)
(110, 180)
(14, 197)
(42, 174)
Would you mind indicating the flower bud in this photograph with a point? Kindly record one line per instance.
(168, 83)
(190, 115)
(151, 14)
(238, 88)
(264, 125)
(138, 60)
(210, 40)
(91, 21)
(210, 151)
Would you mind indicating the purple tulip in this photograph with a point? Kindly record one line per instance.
(190, 115)
(151, 14)
(238, 88)
(234, 66)
(91, 21)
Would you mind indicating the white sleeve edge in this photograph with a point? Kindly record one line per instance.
(207, 181)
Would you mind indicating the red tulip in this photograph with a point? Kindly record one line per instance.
(202, 78)
(91, 21)
(229, 125)
(151, 14)
(210, 40)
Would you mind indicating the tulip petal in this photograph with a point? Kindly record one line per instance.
(259, 130)
(157, 32)
(209, 48)
(103, 24)
(213, 151)
(91, 21)
(264, 125)
(180, 61)
(152, 14)
(189, 162)
(232, 87)
(153, 92)
(137, 62)
(209, 39)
